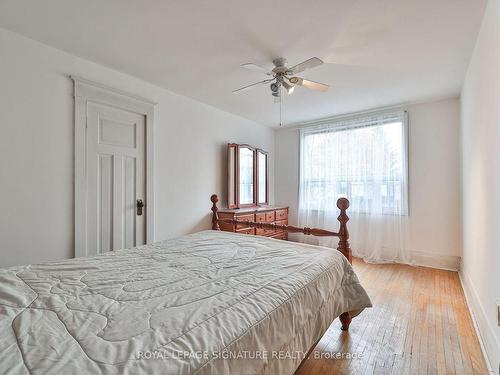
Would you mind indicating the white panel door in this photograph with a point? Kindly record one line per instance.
(115, 179)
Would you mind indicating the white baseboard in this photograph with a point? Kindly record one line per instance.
(490, 347)
(442, 262)
(418, 258)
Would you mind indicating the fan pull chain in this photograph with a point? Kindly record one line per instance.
(281, 103)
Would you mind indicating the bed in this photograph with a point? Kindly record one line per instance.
(207, 303)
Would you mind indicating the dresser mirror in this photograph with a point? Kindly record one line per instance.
(248, 175)
(232, 162)
(246, 167)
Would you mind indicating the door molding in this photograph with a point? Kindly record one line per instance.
(86, 92)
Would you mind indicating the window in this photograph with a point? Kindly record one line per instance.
(362, 158)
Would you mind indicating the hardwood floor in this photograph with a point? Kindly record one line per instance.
(419, 324)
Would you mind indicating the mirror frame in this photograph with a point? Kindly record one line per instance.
(236, 171)
(266, 154)
(236, 179)
(254, 176)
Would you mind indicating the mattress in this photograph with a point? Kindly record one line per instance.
(208, 303)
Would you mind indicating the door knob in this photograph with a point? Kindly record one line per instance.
(140, 205)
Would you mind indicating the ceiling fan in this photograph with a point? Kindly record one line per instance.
(283, 76)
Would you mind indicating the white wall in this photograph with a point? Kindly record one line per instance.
(480, 145)
(36, 151)
(433, 175)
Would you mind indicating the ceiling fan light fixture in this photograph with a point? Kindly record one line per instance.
(283, 77)
(288, 87)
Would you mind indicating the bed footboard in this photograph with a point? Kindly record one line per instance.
(342, 234)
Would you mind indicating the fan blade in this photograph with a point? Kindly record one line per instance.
(315, 85)
(309, 84)
(257, 68)
(252, 85)
(308, 64)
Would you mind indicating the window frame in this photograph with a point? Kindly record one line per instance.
(351, 122)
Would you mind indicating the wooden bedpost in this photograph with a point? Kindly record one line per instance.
(343, 247)
(345, 319)
(215, 220)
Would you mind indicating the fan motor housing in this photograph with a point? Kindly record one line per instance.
(279, 61)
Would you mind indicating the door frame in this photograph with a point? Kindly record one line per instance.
(86, 92)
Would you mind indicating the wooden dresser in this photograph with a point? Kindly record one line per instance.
(267, 214)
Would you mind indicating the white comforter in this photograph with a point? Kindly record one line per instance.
(206, 303)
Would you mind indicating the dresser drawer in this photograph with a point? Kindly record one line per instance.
(281, 214)
(249, 217)
(260, 232)
(264, 232)
(269, 216)
(246, 230)
(261, 217)
(282, 222)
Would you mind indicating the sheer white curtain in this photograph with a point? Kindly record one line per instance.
(363, 158)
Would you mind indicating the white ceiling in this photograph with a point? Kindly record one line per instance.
(379, 53)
